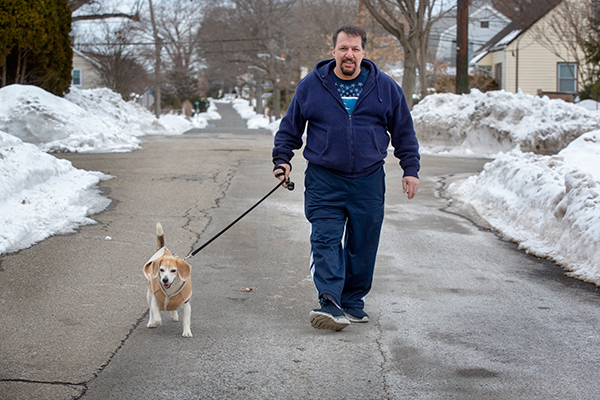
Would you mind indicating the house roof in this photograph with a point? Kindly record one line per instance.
(513, 30)
(88, 58)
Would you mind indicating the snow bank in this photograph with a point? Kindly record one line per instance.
(549, 205)
(254, 120)
(41, 195)
(123, 116)
(57, 124)
(485, 124)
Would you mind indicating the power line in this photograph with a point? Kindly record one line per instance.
(183, 42)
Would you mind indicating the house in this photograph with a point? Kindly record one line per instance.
(484, 23)
(530, 56)
(85, 73)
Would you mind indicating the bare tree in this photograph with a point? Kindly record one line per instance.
(410, 21)
(97, 11)
(251, 37)
(117, 61)
(179, 24)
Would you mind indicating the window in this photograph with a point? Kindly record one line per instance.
(485, 24)
(567, 78)
(76, 77)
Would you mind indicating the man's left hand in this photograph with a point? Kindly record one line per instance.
(410, 185)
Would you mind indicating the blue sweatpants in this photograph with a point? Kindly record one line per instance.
(345, 217)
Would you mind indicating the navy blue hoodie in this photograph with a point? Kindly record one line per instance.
(350, 145)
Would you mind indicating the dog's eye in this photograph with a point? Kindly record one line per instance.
(162, 270)
(173, 270)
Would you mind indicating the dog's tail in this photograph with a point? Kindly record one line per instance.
(160, 236)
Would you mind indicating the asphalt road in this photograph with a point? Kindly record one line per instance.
(456, 312)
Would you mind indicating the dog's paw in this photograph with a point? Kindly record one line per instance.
(187, 334)
(174, 315)
(154, 324)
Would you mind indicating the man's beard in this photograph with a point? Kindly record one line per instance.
(348, 72)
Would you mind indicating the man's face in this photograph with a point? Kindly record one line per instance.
(348, 54)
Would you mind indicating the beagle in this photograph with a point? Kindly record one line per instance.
(169, 285)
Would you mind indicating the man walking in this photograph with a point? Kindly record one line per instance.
(350, 106)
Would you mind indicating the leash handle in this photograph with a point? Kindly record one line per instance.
(290, 186)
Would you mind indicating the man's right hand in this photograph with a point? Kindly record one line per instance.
(282, 174)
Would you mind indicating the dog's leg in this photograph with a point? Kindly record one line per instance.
(154, 320)
(174, 315)
(187, 313)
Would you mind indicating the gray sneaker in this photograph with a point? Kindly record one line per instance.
(356, 315)
(329, 316)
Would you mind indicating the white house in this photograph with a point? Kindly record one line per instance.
(484, 23)
(85, 74)
(518, 58)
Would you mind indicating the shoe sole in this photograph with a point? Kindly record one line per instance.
(356, 320)
(321, 320)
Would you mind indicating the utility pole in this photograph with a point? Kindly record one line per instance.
(462, 47)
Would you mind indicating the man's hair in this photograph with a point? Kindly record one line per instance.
(351, 30)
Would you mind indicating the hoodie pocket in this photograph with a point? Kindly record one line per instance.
(336, 151)
(371, 146)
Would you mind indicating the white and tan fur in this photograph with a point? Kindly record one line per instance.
(169, 281)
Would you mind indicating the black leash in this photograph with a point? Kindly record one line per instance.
(289, 185)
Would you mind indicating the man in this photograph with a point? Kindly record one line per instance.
(349, 105)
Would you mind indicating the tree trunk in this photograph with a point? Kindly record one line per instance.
(157, 64)
(410, 76)
(18, 69)
(23, 71)
(259, 93)
(3, 83)
(423, 66)
(276, 101)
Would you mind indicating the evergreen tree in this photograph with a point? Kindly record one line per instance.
(35, 45)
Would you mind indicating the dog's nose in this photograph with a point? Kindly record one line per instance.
(165, 279)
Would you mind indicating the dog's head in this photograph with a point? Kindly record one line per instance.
(168, 268)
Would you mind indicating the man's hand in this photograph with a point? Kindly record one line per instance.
(283, 174)
(410, 185)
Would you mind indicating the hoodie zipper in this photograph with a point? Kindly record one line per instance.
(349, 115)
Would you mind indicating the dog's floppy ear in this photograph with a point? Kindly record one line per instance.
(156, 267)
(183, 269)
(148, 270)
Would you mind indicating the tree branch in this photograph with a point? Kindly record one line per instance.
(134, 17)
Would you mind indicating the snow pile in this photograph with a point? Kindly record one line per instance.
(56, 124)
(549, 205)
(127, 117)
(84, 121)
(211, 113)
(485, 124)
(253, 120)
(41, 195)
(177, 124)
